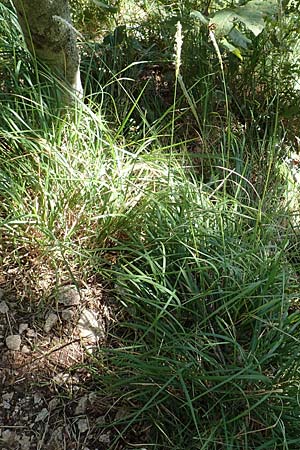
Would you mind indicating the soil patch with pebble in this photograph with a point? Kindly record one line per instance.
(47, 399)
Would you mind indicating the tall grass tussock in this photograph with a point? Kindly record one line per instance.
(178, 201)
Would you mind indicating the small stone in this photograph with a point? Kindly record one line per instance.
(3, 307)
(100, 420)
(104, 438)
(50, 322)
(67, 379)
(8, 437)
(83, 425)
(81, 406)
(69, 295)
(13, 342)
(67, 315)
(23, 327)
(8, 396)
(37, 399)
(6, 399)
(54, 403)
(89, 327)
(30, 333)
(25, 349)
(61, 378)
(93, 397)
(42, 415)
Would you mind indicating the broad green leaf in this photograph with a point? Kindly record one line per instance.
(239, 39)
(252, 15)
(198, 15)
(223, 21)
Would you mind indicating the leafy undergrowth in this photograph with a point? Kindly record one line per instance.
(192, 223)
(207, 352)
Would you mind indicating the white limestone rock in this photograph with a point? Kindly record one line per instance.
(81, 406)
(23, 327)
(42, 415)
(89, 327)
(69, 295)
(67, 315)
(3, 307)
(25, 349)
(83, 425)
(13, 342)
(50, 322)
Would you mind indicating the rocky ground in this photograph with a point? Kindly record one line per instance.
(47, 400)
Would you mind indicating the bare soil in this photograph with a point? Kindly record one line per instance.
(48, 400)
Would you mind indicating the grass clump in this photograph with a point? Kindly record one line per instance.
(207, 342)
(179, 206)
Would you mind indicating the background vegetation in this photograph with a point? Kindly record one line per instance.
(175, 181)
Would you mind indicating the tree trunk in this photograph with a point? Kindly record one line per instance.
(49, 34)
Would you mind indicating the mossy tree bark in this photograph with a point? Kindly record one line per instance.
(49, 34)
